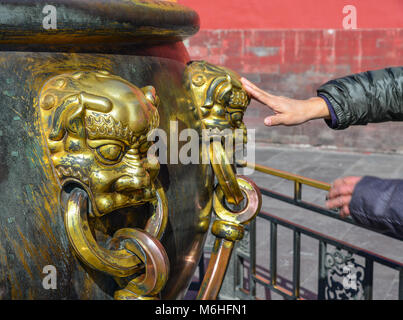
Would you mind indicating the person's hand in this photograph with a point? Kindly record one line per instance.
(288, 112)
(340, 194)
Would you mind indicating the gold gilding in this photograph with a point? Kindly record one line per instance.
(220, 102)
(253, 203)
(96, 125)
(224, 173)
(227, 230)
(218, 94)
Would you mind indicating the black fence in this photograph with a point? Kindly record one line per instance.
(345, 271)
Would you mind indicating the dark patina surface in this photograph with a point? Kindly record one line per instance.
(136, 40)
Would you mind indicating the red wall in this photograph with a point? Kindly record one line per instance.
(295, 14)
(291, 47)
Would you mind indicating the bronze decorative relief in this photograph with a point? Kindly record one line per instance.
(220, 102)
(96, 125)
(218, 95)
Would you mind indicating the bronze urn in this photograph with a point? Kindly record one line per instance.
(88, 212)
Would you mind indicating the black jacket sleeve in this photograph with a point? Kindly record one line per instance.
(378, 203)
(372, 96)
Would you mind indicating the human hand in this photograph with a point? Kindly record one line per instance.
(288, 112)
(340, 194)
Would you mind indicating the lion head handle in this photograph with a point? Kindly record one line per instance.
(218, 95)
(96, 125)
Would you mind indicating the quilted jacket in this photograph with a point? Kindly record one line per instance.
(370, 97)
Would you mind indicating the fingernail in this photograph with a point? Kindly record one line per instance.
(267, 122)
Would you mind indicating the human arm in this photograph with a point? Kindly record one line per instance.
(368, 97)
(372, 96)
(370, 201)
(287, 111)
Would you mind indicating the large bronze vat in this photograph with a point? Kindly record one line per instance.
(85, 213)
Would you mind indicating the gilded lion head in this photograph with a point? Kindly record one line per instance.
(96, 126)
(218, 95)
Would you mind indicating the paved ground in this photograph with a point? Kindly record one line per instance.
(326, 166)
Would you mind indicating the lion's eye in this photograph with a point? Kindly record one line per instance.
(110, 152)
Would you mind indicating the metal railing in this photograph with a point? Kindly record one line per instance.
(336, 279)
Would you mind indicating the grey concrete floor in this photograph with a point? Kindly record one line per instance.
(323, 165)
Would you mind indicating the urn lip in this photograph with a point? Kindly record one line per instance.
(99, 25)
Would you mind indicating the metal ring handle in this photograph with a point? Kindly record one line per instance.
(251, 209)
(118, 263)
(227, 231)
(156, 263)
(157, 223)
(225, 173)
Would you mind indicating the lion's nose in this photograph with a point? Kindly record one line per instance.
(126, 184)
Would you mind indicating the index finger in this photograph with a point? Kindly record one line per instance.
(345, 181)
(341, 190)
(255, 91)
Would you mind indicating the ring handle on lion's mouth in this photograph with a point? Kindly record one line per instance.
(225, 174)
(156, 263)
(118, 263)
